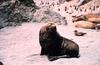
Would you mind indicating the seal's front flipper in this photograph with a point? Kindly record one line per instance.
(53, 58)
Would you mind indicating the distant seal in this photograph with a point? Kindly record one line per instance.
(84, 24)
(92, 18)
(79, 33)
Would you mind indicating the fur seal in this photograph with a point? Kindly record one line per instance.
(54, 46)
(79, 33)
(84, 24)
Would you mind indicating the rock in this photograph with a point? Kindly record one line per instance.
(1, 63)
(13, 13)
(45, 15)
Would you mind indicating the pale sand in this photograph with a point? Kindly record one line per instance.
(20, 46)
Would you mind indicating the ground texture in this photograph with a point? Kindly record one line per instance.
(20, 46)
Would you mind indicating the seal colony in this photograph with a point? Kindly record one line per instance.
(54, 46)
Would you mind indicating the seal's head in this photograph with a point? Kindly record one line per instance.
(51, 27)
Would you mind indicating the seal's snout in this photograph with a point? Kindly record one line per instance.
(52, 24)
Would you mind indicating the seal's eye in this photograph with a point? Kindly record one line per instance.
(47, 28)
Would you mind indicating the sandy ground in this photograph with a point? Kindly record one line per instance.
(20, 46)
